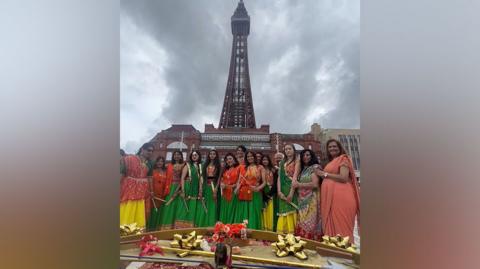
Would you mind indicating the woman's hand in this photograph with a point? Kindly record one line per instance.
(289, 198)
(319, 172)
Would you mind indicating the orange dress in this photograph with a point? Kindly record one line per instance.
(159, 183)
(340, 202)
(228, 201)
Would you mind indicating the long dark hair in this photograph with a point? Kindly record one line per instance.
(199, 156)
(270, 165)
(261, 158)
(254, 158)
(243, 148)
(313, 159)
(158, 159)
(340, 147)
(145, 146)
(216, 163)
(172, 161)
(235, 161)
(273, 189)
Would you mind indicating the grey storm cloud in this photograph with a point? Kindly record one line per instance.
(303, 60)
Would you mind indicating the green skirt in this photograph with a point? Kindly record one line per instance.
(153, 222)
(251, 211)
(227, 210)
(168, 212)
(186, 216)
(209, 218)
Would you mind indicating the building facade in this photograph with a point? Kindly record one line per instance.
(350, 139)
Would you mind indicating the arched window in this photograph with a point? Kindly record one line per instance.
(298, 147)
(177, 145)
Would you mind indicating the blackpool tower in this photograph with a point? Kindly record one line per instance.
(237, 111)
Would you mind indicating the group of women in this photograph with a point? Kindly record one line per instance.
(293, 195)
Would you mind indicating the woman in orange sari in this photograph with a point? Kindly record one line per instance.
(228, 201)
(249, 192)
(134, 187)
(340, 199)
(159, 181)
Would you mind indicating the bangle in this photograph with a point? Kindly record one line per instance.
(325, 175)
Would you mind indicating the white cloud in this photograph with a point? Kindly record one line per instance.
(303, 63)
(143, 88)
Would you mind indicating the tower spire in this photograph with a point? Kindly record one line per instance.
(237, 108)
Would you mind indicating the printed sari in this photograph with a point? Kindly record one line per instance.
(308, 222)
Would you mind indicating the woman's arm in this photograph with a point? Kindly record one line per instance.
(343, 177)
(123, 170)
(262, 180)
(200, 180)
(182, 179)
(297, 169)
(311, 185)
(150, 184)
(218, 183)
(279, 189)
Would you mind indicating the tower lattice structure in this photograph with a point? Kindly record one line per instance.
(237, 108)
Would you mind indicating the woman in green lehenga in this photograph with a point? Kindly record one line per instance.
(287, 199)
(211, 172)
(249, 193)
(191, 192)
(228, 201)
(172, 204)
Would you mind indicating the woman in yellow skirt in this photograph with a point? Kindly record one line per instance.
(287, 208)
(134, 187)
(270, 210)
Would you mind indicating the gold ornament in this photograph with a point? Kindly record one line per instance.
(130, 229)
(188, 242)
(340, 242)
(290, 244)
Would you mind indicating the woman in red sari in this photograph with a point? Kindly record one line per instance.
(134, 187)
(340, 200)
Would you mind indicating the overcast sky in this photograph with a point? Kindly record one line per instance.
(303, 57)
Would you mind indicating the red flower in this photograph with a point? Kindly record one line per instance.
(148, 248)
